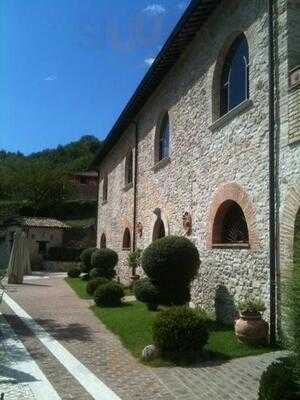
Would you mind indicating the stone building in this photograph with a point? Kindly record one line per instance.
(209, 147)
(41, 233)
(85, 185)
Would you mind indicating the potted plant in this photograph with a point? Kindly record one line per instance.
(250, 327)
(134, 261)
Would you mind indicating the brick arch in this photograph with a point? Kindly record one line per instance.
(234, 192)
(288, 213)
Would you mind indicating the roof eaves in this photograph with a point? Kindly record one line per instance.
(195, 15)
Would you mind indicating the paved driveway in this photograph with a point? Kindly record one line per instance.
(82, 360)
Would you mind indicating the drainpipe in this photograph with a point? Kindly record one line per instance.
(135, 186)
(272, 176)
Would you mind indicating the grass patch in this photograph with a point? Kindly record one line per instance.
(79, 287)
(133, 324)
(222, 343)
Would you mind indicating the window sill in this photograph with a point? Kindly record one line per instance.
(127, 186)
(161, 164)
(237, 246)
(126, 248)
(238, 110)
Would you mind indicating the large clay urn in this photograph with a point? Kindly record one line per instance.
(250, 328)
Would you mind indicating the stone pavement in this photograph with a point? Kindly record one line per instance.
(57, 309)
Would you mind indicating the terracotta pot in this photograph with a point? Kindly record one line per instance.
(251, 329)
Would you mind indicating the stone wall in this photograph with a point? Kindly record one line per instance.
(207, 157)
(59, 266)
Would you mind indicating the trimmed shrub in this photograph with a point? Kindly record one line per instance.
(172, 260)
(175, 295)
(134, 260)
(74, 272)
(85, 257)
(105, 260)
(94, 273)
(180, 333)
(146, 292)
(276, 383)
(109, 295)
(94, 284)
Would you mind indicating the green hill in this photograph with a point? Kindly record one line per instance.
(41, 179)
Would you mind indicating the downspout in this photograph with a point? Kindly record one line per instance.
(135, 185)
(98, 206)
(272, 176)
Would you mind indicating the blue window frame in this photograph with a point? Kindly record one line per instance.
(164, 138)
(235, 76)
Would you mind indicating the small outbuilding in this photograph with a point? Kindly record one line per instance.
(41, 233)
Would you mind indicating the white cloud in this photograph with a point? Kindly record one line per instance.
(155, 9)
(50, 78)
(149, 61)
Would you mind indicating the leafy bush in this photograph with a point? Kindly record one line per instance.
(251, 306)
(64, 254)
(85, 257)
(105, 260)
(109, 294)
(276, 383)
(171, 263)
(146, 292)
(94, 273)
(180, 332)
(134, 260)
(94, 284)
(171, 260)
(74, 272)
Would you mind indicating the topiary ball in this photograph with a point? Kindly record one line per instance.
(105, 260)
(109, 295)
(276, 382)
(146, 292)
(85, 257)
(170, 261)
(174, 295)
(94, 284)
(94, 273)
(74, 272)
(180, 333)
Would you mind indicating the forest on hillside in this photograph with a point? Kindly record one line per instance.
(41, 179)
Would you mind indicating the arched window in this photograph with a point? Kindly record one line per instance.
(129, 168)
(158, 230)
(164, 138)
(235, 75)
(126, 240)
(230, 226)
(103, 241)
(105, 189)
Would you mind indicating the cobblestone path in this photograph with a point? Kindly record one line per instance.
(57, 309)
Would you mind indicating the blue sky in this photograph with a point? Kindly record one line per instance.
(68, 67)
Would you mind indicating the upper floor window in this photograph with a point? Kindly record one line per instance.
(105, 189)
(164, 138)
(126, 239)
(235, 75)
(129, 168)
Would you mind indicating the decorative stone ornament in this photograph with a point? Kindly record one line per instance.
(149, 352)
(139, 229)
(187, 223)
